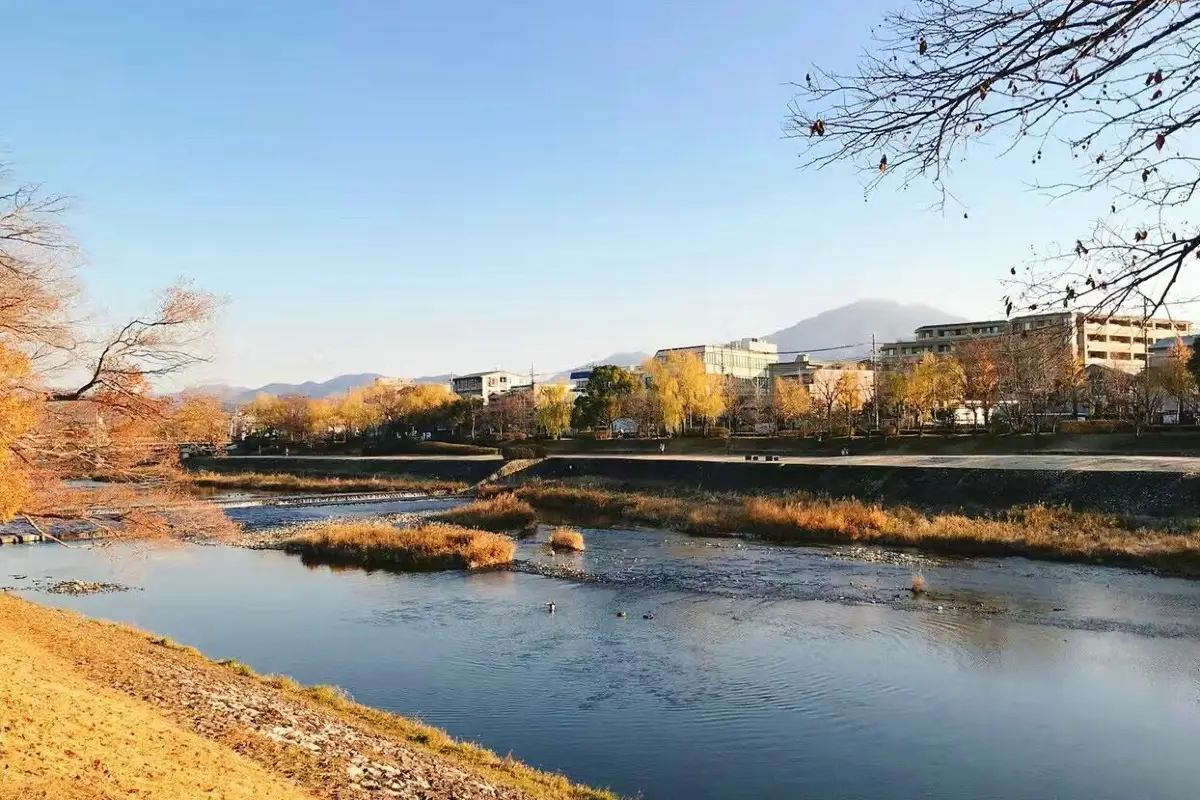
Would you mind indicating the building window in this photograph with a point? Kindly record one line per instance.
(1099, 355)
(1181, 326)
(1121, 339)
(1139, 356)
(1120, 356)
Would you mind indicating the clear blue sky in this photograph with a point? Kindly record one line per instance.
(415, 188)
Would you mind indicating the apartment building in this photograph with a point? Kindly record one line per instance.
(1116, 342)
(487, 384)
(748, 360)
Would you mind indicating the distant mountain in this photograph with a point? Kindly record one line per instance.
(853, 324)
(333, 386)
(238, 395)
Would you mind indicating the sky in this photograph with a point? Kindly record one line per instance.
(420, 188)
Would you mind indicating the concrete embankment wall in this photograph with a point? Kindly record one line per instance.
(1153, 494)
(1165, 443)
(450, 469)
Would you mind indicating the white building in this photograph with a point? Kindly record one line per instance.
(487, 384)
(820, 377)
(746, 359)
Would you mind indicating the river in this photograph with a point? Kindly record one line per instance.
(765, 672)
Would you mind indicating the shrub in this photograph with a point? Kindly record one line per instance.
(530, 450)
(567, 539)
(1094, 426)
(501, 512)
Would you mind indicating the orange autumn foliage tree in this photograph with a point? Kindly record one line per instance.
(76, 397)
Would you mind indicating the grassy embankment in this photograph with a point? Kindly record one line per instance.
(1032, 531)
(91, 710)
(434, 546)
(284, 482)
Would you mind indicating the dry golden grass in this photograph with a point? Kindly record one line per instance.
(497, 512)
(427, 547)
(66, 737)
(283, 482)
(567, 539)
(76, 725)
(1031, 531)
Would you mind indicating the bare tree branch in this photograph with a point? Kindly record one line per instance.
(1112, 83)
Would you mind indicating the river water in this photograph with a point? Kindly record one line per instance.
(765, 672)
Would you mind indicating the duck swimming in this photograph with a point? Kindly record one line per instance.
(550, 607)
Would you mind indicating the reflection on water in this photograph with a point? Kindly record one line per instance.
(751, 681)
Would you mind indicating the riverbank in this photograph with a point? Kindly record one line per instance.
(95, 710)
(1035, 531)
(321, 484)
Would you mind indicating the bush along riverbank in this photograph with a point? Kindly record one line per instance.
(98, 710)
(493, 511)
(1031, 531)
(426, 547)
(284, 482)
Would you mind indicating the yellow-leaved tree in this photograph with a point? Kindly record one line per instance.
(76, 396)
(665, 396)
(790, 401)
(553, 408)
(197, 419)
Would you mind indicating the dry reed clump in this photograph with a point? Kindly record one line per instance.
(285, 482)
(567, 539)
(1035, 531)
(427, 547)
(501, 512)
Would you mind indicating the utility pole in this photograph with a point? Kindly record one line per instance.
(874, 381)
(1146, 363)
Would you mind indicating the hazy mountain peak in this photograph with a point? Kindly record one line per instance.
(853, 324)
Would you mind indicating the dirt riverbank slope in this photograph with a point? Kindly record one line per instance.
(94, 710)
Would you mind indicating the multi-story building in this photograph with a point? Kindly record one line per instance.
(1116, 342)
(487, 384)
(748, 360)
(821, 377)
